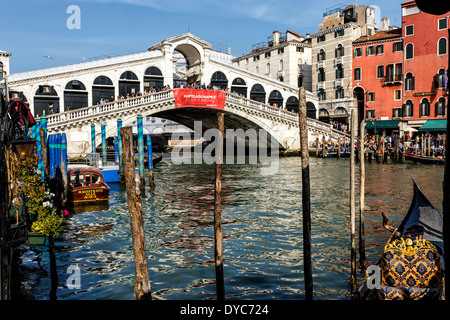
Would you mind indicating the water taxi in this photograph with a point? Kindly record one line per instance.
(86, 185)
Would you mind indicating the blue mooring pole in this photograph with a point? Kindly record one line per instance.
(119, 144)
(150, 162)
(103, 144)
(140, 138)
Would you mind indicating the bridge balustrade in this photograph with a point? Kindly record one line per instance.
(118, 106)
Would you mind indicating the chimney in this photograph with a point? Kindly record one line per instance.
(384, 24)
(276, 38)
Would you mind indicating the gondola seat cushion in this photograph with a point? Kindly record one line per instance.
(411, 269)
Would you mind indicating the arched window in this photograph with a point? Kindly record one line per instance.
(409, 82)
(339, 51)
(442, 46)
(280, 68)
(440, 79)
(425, 108)
(408, 108)
(321, 55)
(409, 54)
(440, 107)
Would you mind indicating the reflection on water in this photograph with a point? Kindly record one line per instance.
(262, 229)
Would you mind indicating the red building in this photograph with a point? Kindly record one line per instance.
(377, 75)
(425, 65)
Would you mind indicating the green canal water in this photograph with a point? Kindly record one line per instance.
(262, 229)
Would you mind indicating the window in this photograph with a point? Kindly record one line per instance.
(339, 93)
(442, 24)
(357, 52)
(267, 55)
(398, 46)
(442, 46)
(440, 79)
(380, 72)
(268, 68)
(321, 95)
(425, 108)
(370, 96)
(281, 65)
(440, 107)
(256, 58)
(339, 51)
(409, 30)
(409, 82)
(370, 114)
(321, 38)
(300, 49)
(339, 33)
(397, 113)
(397, 94)
(409, 51)
(339, 72)
(370, 50)
(1, 71)
(380, 49)
(321, 55)
(408, 109)
(357, 74)
(281, 50)
(321, 76)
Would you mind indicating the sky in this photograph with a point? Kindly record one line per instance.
(34, 30)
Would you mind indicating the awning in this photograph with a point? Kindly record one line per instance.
(434, 126)
(384, 124)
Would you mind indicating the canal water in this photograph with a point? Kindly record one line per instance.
(262, 228)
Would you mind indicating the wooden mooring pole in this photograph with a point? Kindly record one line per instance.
(352, 205)
(362, 174)
(306, 205)
(446, 198)
(218, 237)
(142, 288)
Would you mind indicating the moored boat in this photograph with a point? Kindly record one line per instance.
(411, 263)
(424, 159)
(86, 185)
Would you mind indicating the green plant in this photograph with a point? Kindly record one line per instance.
(38, 200)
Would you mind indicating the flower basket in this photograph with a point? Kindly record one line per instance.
(36, 239)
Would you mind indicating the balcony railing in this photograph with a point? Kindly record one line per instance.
(393, 79)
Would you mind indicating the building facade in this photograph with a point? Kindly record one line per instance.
(378, 75)
(285, 57)
(4, 63)
(332, 59)
(425, 65)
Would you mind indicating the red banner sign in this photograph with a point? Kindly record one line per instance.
(199, 98)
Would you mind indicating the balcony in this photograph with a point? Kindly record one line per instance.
(320, 65)
(338, 61)
(321, 86)
(338, 83)
(393, 79)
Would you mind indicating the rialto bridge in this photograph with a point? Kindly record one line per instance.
(70, 95)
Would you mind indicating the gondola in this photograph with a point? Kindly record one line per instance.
(156, 160)
(423, 159)
(411, 262)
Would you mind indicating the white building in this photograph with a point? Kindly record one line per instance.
(285, 57)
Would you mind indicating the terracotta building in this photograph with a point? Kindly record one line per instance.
(425, 65)
(378, 75)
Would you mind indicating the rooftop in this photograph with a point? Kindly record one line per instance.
(381, 35)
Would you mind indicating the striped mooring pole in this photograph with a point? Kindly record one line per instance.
(150, 161)
(44, 126)
(39, 147)
(93, 142)
(103, 128)
(119, 144)
(140, 138)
